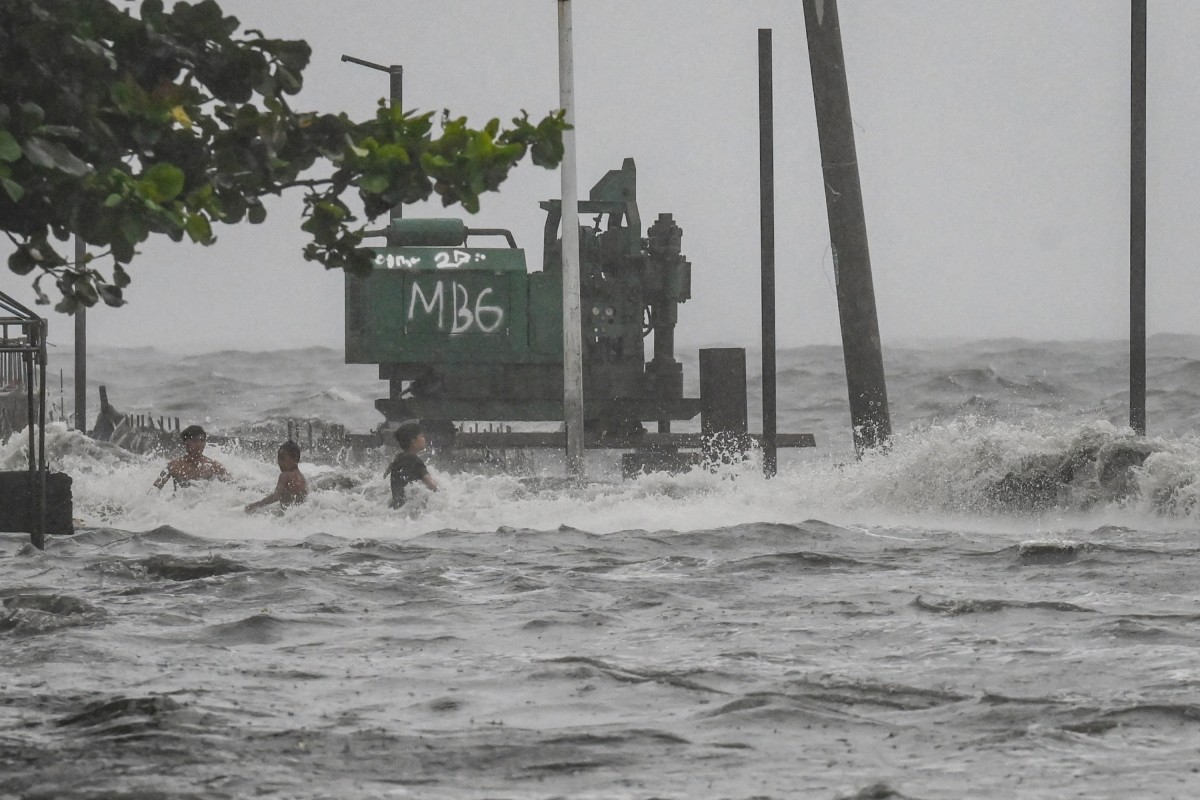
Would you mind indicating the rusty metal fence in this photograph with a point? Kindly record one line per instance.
(23, 372)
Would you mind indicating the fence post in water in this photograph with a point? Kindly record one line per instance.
(1137, 219)
(766, 194)
(861, 349)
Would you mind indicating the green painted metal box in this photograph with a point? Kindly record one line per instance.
(445, 305)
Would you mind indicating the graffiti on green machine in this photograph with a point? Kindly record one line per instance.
(449, 306)
(424, 259)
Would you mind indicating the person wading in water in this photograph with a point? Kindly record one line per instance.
(193, 465)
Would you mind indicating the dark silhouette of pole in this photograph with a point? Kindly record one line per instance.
(861, 347)
(39, 537)
(766, 195)
(80, 350)
(1137, 219)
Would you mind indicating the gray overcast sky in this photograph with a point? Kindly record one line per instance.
(993, 142)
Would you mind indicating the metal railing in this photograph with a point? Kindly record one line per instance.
(23, 365)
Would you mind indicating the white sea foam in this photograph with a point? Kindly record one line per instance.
(940, 476)
(996, 596)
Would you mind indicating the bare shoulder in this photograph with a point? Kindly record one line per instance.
(293, 485)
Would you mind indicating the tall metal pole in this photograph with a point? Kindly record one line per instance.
(80, 349)
(396, 94)
(766, 194)
(861, 347)
(572, 322)
(1137, 219)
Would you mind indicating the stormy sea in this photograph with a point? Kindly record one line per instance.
(1003, 605)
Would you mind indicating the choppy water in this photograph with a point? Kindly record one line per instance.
(905, 626)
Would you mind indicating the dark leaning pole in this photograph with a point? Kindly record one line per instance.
(766, 191)
(1137, 218)
(847, 228)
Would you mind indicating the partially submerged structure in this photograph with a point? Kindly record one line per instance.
(463, 332)
(31, 500)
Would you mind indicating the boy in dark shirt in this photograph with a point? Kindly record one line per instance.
(408, 466)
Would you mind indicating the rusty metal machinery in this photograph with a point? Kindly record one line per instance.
(464, 332)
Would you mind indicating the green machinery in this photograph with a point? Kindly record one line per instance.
(463, 332)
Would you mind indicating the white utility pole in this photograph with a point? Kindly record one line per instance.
(572, 323)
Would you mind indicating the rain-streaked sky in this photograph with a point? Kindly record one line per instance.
(992, 135)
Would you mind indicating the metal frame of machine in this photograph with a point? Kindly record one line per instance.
(469, 333)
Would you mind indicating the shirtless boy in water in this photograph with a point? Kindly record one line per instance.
(291, 488)
(194, 465)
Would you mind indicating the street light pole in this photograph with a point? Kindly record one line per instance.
(396, 94)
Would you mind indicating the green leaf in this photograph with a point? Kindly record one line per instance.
(288, 80)
(376, 184)
(68, 305)
(120, 277)
(52, 155)
(112, 200)
(13, 189)
(293, 54)
(22, 261)
(85, 290)
(111, 295)
(32, 115)
(165, 182)
(123, 249)
(199, 229)
(256, 214)
(10, 149)
(42, 299)
(133, 230)
(124, 95)
(204, 19)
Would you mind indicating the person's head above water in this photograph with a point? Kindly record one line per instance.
(289, 454)
(194, 439)
(193, 432)
(408, 433)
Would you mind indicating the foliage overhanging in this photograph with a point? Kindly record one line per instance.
(116, 126)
